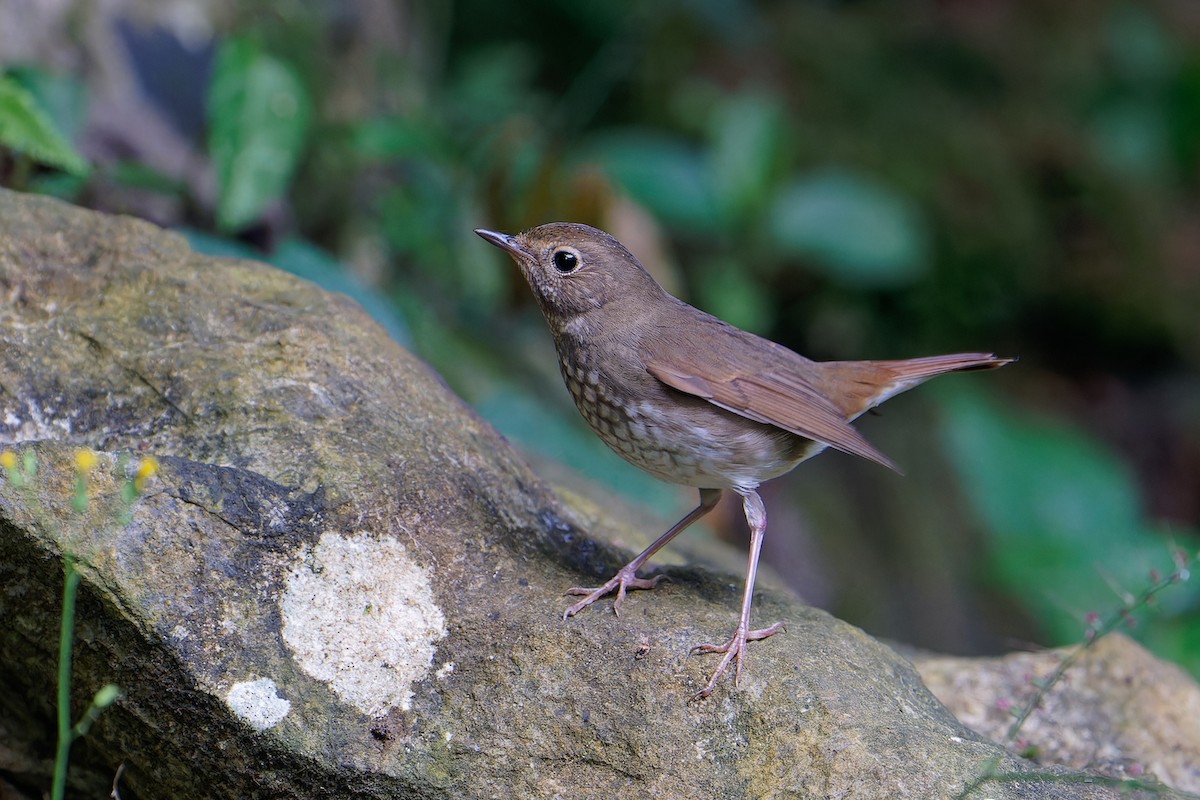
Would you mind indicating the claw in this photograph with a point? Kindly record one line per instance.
(624, 579)
(733, 650)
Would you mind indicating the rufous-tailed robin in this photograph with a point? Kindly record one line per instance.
(691, 399)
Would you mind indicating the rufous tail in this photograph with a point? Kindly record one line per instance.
(858, 386)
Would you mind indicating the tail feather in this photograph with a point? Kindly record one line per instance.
(862, 385)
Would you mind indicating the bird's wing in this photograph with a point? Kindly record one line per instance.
(756, 379)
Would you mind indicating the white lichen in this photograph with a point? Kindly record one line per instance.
(258, 703)
(359, 614)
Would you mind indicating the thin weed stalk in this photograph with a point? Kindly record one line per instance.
(66, 638)
(1097, 630)
(20, 474)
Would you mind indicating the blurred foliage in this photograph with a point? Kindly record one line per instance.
(864, 179)
(1054, 500)
(258, 118)
(27, 127)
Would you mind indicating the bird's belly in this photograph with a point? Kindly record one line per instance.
(683, 439)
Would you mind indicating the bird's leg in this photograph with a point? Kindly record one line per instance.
(626, 577)
(756, 515)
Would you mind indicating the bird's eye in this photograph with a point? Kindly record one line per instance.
(565, 261)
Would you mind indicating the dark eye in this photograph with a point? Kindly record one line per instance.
(565, 260)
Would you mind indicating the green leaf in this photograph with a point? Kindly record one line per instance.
(109, 693)
(26, 128)
(858, 231)
(258, 120)
(665, 174)
(398, 137)
(1039, 477)
(1139, 50)
(62, 97)
(135, 174)
(1132, 138)
(63, 185)
(491, 84)
(1062, 512)
(746, 131)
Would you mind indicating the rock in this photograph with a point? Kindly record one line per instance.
(343, 583)
(1118, 710)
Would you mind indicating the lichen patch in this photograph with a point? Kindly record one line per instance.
(359, 614)
(258, 703)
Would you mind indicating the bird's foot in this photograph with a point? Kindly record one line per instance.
(626, 578)
(733, 650)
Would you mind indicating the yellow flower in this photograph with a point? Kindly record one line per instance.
(8, 460)
(147, 468)
(85, 460)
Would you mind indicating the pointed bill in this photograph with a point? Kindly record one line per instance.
(502, 240)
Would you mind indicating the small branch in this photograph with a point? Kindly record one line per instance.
(1096, 631)
(1094, 634)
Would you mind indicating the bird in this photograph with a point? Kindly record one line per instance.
(693, 400)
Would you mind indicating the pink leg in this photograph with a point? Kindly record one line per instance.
(756, 515)
(626, 577)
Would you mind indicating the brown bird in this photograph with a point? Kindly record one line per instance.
(691, 399)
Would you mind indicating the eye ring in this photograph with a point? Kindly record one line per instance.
(566, 260)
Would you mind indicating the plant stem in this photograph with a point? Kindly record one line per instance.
(1113, 622)
(65, 638)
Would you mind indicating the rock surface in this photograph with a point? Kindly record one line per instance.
(345, 584)
(1119, 710)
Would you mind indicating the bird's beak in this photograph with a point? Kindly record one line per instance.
(501, 240)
